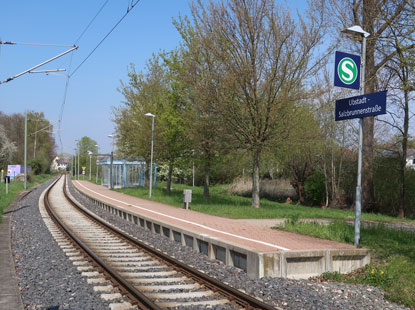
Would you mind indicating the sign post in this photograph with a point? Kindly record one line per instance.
(348, 76)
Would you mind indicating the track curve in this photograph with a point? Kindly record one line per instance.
(150, 278)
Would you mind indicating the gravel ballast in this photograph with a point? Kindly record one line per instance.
(48, 280)
(278, 292)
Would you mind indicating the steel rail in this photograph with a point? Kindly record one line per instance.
(136, 296)
(234, 295)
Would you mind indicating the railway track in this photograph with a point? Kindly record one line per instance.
(149, 278)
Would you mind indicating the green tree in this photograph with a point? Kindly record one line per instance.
(264, 57)
(161, 92)
(174, 141)
(86, 145)
(203, 78)
(40, 141)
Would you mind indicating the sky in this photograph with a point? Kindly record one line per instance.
(92, 91)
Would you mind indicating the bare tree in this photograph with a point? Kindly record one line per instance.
(376, 17)
(264, 56)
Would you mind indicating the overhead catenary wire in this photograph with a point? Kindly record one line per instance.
(69, 72)
(131, 5)
(34, 44)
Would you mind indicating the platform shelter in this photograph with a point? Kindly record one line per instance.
(125, 173)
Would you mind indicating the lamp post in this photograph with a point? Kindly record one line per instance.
(25, 150)
(112, 161)
(358, 31)
(193, 170)
(77, 148)
(74, 166)
(90, 166)
(96, 176)
(151, 156)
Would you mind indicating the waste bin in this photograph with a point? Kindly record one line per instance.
(187, 196)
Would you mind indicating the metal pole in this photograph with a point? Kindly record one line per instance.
(151, 160)
(72, 164)
(78, 163)
(111, 165)
(358, 210)
(193, 183)
(39, 65)
(90, 167)
(96, 176)
(25, 150)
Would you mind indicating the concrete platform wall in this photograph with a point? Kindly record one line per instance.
(289, 264)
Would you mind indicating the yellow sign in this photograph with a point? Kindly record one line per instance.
(83, 168)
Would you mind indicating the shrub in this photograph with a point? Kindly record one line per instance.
(315, 188)
(277, 189)
(38, 165)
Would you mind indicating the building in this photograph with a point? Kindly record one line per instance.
(410, 159)
(59, 164)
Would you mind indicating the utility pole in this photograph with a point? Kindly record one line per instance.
(111, 172)
(25, 150)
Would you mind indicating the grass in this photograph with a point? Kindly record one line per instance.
(392, 255)
(237, 207)
(15, 188)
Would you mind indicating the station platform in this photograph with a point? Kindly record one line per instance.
(260, 251)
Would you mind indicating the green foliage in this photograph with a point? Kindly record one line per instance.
(386, 182)
(86, 145)
(315, 188)
(392, 252)
(40, 141)
(38, 165)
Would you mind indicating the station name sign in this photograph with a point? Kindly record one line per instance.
(361, 106)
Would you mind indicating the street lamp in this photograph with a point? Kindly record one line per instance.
(90, 166)
(193, 170)
(358, 31)
(112, 143)
(151, 156)
(25, 150)
(96, 176)
(77, 148)
(112, 160)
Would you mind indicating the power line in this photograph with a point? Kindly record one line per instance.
(92, 20)
(130, 7)
(69, 73)
(34, 44)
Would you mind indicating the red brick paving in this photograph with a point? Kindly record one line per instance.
(238, 232)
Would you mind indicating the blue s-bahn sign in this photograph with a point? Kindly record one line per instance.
(347, 70)
(361, 106)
